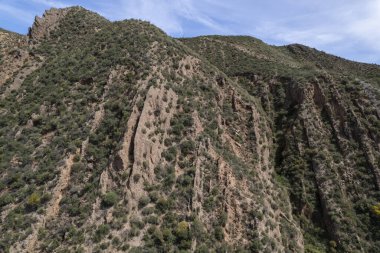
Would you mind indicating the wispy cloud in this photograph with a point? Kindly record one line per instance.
(51, 3)
(167, 14)
(348, 28)
(17, 13)
(367, 27)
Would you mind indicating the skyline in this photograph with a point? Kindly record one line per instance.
(348, 29)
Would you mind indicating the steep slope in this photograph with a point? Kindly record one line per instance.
(326, 126)
(16, 62)
(123, 139)
(115, 137)
(332, 63)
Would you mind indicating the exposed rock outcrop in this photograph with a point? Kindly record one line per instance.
(43, 26)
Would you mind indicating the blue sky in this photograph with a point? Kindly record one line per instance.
(347, 28)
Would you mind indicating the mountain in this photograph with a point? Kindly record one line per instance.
(115, 137)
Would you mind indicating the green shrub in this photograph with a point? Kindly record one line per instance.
(187, 147)
(137, 223)
(188, 120)
(182, 230)
(110, 199)
(33, 201)
(158, 237)
(152, 219)
(168, 142)
(101, 232)
(5, 199)
(77, 167)
(219, 235)
(163, 204)
(202, 249)
(136, 178)
(170, 154)
(148, 210)
(153, 195)
(143, 201)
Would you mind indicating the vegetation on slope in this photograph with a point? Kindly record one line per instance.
(115, 137)
(342, 112)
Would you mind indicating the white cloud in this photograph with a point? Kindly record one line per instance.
(342, 27)
(347, 30)
(160, 13)
(166, 14)
(17, 13)
(314, 37)
(367, 27)
(186, 9)
(51, 3)
(24, 15)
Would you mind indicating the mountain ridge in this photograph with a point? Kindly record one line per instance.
(62, 10)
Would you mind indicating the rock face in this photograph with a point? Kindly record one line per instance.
(325, 143)
(115, 137)
(49, 21)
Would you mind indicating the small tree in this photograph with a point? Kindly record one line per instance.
(101, 232)
(376, 209)
(33, 201)
(158, 237)
(219, 235)
(183, 238)
(110, 199)
(187, 147)
(182, 230)
(143, 201)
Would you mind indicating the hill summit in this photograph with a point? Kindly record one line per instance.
(115, 137)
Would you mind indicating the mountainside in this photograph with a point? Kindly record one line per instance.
(115, 137)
